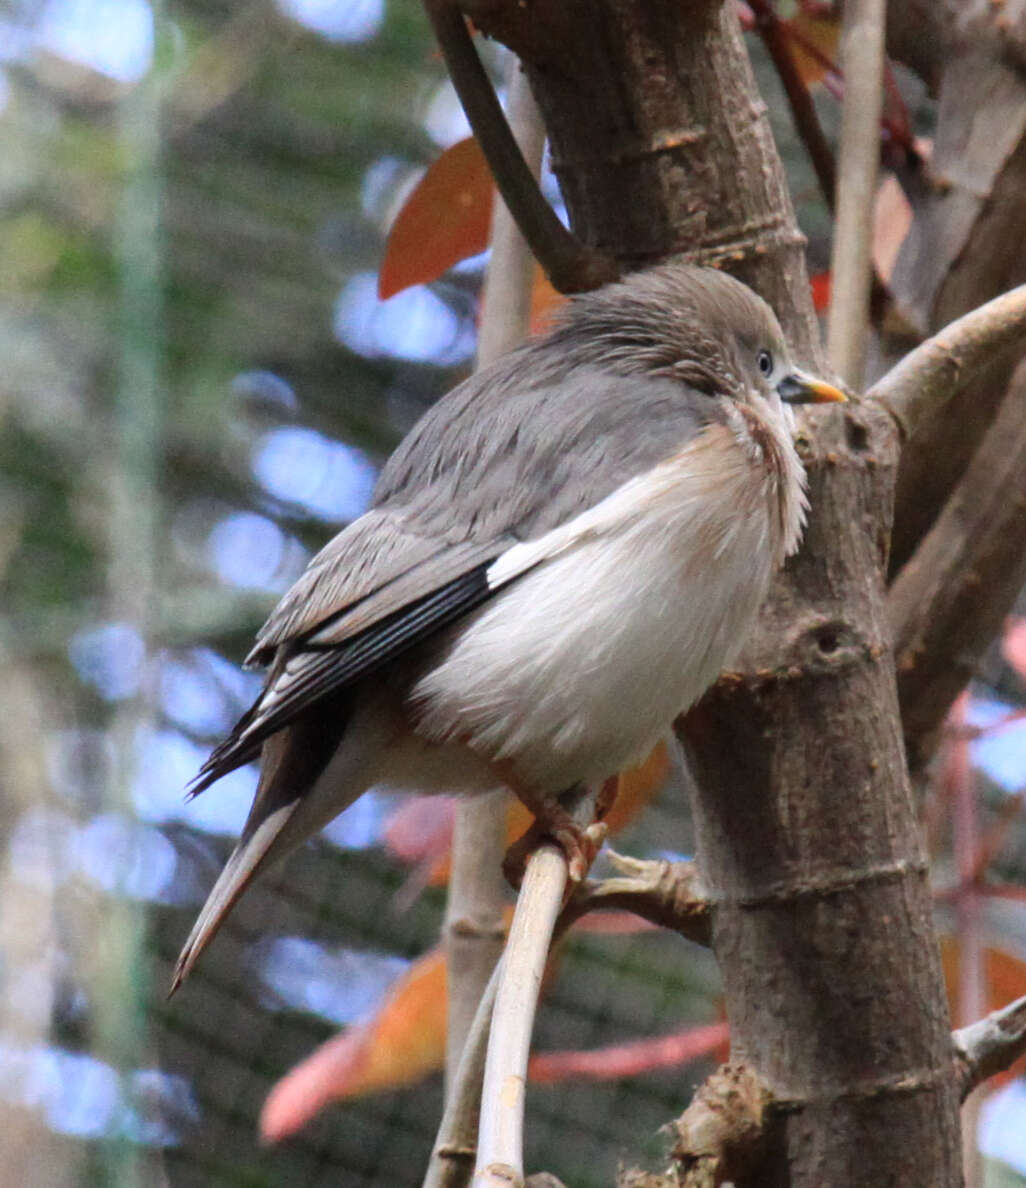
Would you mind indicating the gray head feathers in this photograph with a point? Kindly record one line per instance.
(701, 326)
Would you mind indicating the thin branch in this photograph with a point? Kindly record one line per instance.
(943, 365)
(862, 40)
(669, 894)
(455, 1149)
(990, 1045)
(570, 265)
(777, 36)
(500, 1158)
(500, 1147)
(474, 931)
(777, 41)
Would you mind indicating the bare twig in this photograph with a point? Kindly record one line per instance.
(570, 265)
(972, 988)
(944, 364)
(474, 932)
(862, 42)
(990, 1045)
(500, 1145)
(668, 894)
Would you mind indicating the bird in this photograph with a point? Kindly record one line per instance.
(559, 559)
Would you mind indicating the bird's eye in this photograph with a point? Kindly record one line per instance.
(765, 361)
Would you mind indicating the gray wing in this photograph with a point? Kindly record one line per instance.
(513, 452)
(517, 450)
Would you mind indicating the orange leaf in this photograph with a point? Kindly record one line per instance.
(630, 1059)
(545, 300)
(814, 44)
(445, 219)
(401, 1045)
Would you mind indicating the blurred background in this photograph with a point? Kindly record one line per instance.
(198, 384)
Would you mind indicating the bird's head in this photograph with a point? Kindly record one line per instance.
(699, 325)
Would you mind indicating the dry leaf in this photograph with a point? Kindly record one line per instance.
(445, 219)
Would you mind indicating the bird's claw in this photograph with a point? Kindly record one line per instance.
(580, 845)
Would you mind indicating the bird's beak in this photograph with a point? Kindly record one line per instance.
(799, 388)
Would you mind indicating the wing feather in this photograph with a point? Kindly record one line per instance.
(315, 669)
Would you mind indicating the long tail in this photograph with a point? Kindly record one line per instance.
(289, 807)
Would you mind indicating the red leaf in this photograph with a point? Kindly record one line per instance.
(444, 220)
(820, 285)
(628, 1060)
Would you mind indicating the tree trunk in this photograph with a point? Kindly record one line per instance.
(808, 839)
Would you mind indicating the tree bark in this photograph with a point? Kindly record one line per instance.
(809, 845)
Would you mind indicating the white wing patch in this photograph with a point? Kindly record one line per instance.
(616, 512)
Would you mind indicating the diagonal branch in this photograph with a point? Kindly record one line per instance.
(777, 41)
(946, 363)
(990, 1045)
(777, 38)
(570, 265)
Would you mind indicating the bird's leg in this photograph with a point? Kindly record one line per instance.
(552, 822)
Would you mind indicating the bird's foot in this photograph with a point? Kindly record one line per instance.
(554, 824)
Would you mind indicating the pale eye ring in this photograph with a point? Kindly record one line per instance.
(765, 361)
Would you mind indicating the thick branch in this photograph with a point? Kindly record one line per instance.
(945, 364)
(991, 1045)
(570, 265)
(947, 604)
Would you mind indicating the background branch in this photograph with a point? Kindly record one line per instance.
(455, 1149)
(967, 211)
(862, 56)
(947, 604)
(474, 930)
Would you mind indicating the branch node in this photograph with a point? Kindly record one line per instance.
(719, 1136)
